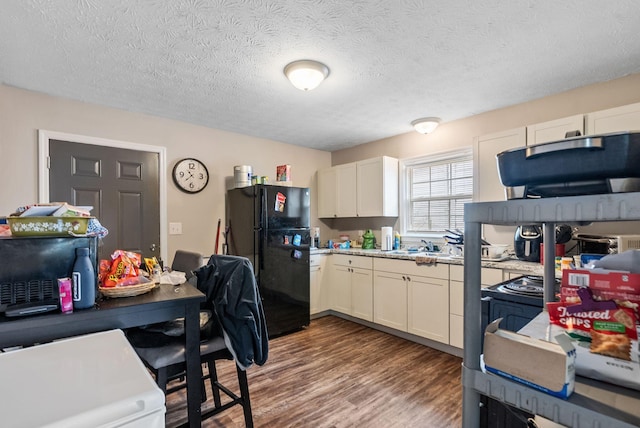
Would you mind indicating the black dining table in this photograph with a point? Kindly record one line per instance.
(163, 303)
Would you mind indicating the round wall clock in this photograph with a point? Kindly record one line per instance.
(190, 175)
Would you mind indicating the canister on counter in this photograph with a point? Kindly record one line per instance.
(558, 263)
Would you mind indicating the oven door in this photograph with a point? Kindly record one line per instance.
(494, 414)
(514, 315)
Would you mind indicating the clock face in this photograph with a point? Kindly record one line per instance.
(190, 175)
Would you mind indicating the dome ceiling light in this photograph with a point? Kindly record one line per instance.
(426, 125)
(306, 74)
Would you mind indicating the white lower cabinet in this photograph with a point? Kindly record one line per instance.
(429, 307)
(362, 293)
(490, 276)
(456, 313)
(425, 300)
(412, 298)
(352, 285)
(341, 288)
(390, 299)
(318, 283)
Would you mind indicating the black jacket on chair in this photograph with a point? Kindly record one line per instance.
(232, 293)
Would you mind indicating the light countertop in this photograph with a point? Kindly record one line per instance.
(512, 263)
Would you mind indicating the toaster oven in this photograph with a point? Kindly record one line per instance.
(599, 244)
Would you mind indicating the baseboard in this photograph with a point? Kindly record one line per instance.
(452, 350)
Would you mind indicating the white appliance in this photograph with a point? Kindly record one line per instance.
(386, 238)
(628, 242)
(96, 380)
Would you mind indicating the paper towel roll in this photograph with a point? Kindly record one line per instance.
(386, 238)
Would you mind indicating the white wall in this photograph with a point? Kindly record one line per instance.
(22, 113)
(460, 133)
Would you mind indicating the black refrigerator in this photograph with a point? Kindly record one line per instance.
(270, 226)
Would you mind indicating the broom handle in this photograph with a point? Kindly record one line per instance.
(217, 237)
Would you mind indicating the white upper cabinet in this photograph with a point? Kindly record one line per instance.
(327, 192)
(488, 184)
(554, 130)
(368, 188)
(625, 118)
(337, 191)
(346, 195)
(377, 187)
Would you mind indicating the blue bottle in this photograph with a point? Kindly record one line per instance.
(84, 280)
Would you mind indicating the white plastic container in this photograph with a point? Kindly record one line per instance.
(494, 251)
(386, 238)
(96, 380)
(242, 175)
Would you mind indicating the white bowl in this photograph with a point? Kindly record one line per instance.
(494, 251)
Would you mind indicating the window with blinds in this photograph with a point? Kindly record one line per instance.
(436, 190)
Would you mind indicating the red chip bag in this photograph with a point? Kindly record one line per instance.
(125, 264)
(104, 268)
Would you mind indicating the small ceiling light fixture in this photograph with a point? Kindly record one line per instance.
(426, 125)
(306, 74)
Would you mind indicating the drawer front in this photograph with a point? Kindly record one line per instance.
(362, 262)
(490, 276)
(407, 267)
(315, 259)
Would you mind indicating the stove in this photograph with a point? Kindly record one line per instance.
(517, 301)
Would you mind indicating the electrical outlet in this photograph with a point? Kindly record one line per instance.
(175, 228)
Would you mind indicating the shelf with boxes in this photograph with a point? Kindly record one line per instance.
(593, 403)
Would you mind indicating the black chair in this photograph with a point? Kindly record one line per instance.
(186, 261)
(167, 362)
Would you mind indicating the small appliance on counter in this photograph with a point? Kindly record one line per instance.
(608, 164)
(526, 243)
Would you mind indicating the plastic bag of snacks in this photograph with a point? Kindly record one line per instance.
(123, 269)
(605, 339)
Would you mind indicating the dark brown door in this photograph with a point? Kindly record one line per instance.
(122, 186)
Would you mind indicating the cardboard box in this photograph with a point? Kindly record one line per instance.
(539, 364)
(283, 173)
(601, 367)
(601, 279)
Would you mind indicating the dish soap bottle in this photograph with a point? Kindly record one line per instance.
(84, 280)
(396, 241)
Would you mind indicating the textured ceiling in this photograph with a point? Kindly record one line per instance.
(218, 63)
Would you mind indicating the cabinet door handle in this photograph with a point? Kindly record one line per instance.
(404, 278)
(408, 278)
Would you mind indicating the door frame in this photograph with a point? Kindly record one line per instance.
(43, 169)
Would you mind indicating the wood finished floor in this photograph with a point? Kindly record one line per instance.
(337, 373)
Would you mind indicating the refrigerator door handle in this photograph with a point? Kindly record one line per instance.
(262, 228)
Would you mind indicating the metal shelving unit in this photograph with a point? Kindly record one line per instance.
(593, 404)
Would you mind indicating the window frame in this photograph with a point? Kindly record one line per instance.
(404, 202)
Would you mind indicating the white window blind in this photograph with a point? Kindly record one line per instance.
(436, 190)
